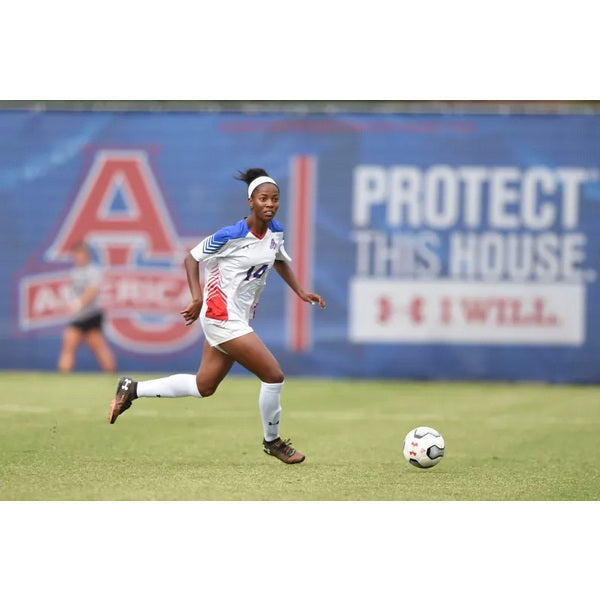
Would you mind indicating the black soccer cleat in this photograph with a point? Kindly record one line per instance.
(126, 393)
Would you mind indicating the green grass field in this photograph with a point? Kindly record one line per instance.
(503, 441)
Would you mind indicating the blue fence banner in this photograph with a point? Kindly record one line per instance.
(446, 246)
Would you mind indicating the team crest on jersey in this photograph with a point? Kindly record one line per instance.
(120, 211)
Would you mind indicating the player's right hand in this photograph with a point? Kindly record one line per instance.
(191, 312)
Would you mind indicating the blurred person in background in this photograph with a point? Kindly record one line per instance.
(85, 324)
(238, 259)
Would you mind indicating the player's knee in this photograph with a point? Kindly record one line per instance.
(273, 376)
(206, 388)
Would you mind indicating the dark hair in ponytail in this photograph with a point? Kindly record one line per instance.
(250, 175)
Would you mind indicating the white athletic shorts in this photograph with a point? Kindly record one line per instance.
(218, 332)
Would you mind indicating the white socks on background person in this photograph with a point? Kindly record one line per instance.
(269, 402)
(173, 386)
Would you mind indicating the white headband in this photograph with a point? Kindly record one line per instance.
(259, 181)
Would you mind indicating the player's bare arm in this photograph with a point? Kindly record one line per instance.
(192, 269)
(286, 273)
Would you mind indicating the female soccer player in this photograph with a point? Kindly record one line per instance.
(85, 324)
(238, 259)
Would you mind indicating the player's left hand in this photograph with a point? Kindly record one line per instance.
(314, 299)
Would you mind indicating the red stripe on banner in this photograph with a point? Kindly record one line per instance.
(302, 203)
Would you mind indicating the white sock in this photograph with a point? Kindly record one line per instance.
(173, 386)
(269, 402)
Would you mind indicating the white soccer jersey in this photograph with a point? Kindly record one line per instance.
(237, 265)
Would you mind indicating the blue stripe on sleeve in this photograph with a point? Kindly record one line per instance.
(210, 245)
(218, 239)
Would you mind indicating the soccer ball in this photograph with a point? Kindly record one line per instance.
(423, 447)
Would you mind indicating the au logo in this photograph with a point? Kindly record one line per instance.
(120, 211)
